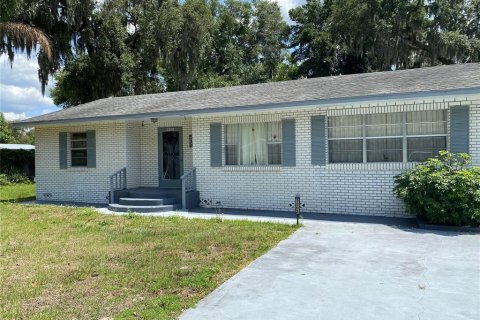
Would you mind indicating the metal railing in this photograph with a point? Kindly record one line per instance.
(118, 181)
(189, 183)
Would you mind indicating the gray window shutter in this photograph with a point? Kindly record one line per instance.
(318, 140)
(62, 147)
(288, 142)
(215, 144)
(459, 121)
(91, 150)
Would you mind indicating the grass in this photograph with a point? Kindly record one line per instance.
(64, 262)
(17, 192)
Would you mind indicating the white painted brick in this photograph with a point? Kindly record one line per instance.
(334, 188)
(89, 185)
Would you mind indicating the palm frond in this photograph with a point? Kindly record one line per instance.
(25, 36)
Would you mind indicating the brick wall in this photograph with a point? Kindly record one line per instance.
(334, 188)
(339, 188)
(326, 189)
(134, 154)
(78, 184)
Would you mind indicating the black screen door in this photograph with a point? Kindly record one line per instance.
(170, 157)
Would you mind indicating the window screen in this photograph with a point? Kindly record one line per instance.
(79, 149)
(381, 137)
(253, 144)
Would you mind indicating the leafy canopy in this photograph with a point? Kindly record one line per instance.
(352, 36)
(126, 47)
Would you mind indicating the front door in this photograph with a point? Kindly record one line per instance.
(170, 157)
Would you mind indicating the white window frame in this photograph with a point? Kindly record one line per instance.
(404, 137)
(239, 151)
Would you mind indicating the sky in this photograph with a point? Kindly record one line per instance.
(20, 90)
(21, 93)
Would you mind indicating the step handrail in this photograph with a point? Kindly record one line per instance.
(189, 183)
(118, 181)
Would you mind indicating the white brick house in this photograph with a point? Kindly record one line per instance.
(338, 141)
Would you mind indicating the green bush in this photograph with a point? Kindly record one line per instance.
(4, 180)
(13, 176)
(18, 177)
(444, 190)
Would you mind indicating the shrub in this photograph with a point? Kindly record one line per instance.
(4, 180)
(444, 190)
(13, 177)
(18, 177)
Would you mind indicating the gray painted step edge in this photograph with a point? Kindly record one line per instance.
(141, 209)
(147, 201)
(151, 195)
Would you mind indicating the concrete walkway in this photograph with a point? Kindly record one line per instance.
(271, 216)
(338, 270)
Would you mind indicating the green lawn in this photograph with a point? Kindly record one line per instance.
(64, 263)
(17, 192)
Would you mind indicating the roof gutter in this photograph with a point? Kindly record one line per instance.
(294, 104)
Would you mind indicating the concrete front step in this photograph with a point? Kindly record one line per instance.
(147, 201)
(142, 209)
(149, 195)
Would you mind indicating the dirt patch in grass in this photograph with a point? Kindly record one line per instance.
(64, 262)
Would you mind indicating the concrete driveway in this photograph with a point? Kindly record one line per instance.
(336, 270)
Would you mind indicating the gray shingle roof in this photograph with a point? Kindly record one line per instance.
(343, 88)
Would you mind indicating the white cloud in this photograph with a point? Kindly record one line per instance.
(12, 116)
(20, 89)
(23, 99)
(286, 5)
(22, 72)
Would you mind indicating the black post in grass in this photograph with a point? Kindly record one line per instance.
(297, 206)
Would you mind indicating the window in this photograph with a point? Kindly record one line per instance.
(387, 137)
(79, 149)
(426, 134)
(345, 142)
(383, 135)
(253, 144)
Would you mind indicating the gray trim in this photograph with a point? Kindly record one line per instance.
(63, 150)
(169, 183)
(404, 138)
(215, 144)
(304, 103)
(318, 143)
(459, 129)
(288, 143)
(91, 149)
(364, 139)
(192, 199)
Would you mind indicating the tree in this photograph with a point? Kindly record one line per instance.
(137, 47)
(230, 49)
(311, 39)
(61, 21)
(271, 34)
(354, 36)
(21, 36)
(6, 133)
(248, 43)
(15, 135)
(185, 50)
(106, 67)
